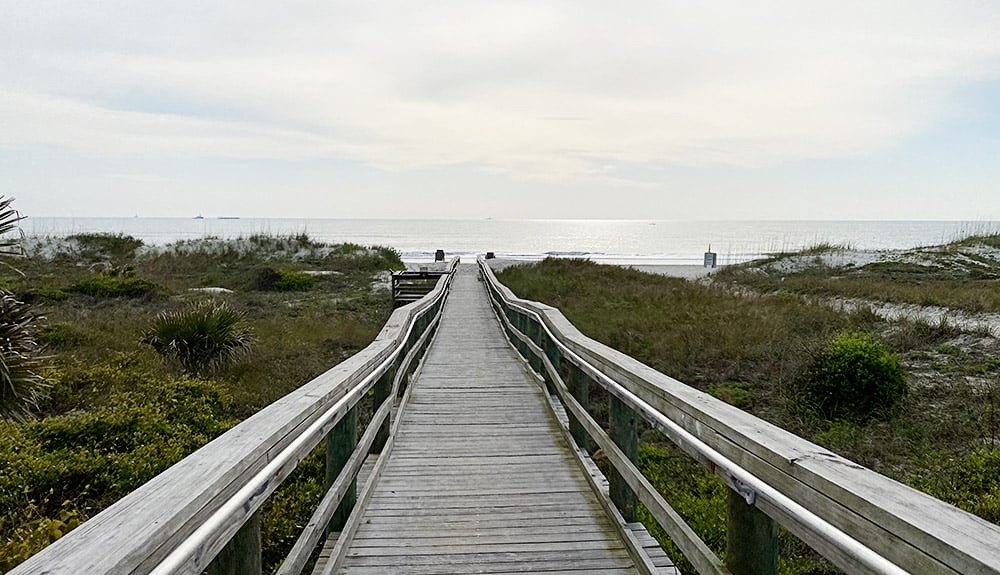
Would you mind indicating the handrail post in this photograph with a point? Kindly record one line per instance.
(340, 444)
(381, 392)
(579, 387)
(241, 556)
(624, 432)
(751, 539)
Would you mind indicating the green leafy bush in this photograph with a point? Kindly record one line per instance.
(31, 530)
(295, 281)
(94, 458)
(270, 279)
(855, 377)
(101, 246)
(22, 362)
(204, 338)
(974, 485)
(108, 286)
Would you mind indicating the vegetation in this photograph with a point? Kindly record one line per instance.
(775, 353)
(103, 247)
(854, 377)
(270, 279)
(109, 286)
(57, 470)
(204, 338)
(961, 275)
(22, 364)
(116, 414)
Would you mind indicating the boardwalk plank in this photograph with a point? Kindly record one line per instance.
(480, 480)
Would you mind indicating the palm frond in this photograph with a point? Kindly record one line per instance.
(204, 338)
(22, 364)
(10, 245)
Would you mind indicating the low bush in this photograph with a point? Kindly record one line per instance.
(203, 338)
(972, 485)
(270, 279)
(94, 458)
(854, 377)
(108, 286)
(105, 246)
(295, 281)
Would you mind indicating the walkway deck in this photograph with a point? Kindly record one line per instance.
(480, 479)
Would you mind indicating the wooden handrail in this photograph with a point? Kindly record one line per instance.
(140, 531)
(862, 521)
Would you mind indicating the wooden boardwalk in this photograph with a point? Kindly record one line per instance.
(480, 479)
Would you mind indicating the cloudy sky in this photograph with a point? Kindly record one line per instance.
(535, 109)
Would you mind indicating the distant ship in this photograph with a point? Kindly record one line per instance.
(229, 217)
(199, 217)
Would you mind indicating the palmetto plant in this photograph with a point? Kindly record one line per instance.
(21, 359)
(204, 338)
(10, 244)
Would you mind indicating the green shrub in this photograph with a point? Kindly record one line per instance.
(295, 281)
(22, 363)
(31, 530)
(93, 459)
(206, 337)
(103, 246)
(61, 335)
(736, 393)
(855, 377)
(972, 485)
(105, 286)
(270, 279)
(265, 279)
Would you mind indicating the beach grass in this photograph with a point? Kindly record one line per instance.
(963, 275)
(752, 348)
(100, 293)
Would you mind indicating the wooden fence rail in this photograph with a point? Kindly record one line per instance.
(205, 508)
(861, 521)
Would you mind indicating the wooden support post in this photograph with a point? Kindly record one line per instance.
(340, 444)
(624, 432)
(241, 556)
(751, 539)
(534, 334)
(383, 387)
(579, 386)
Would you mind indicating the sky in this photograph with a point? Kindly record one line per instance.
(663, 109)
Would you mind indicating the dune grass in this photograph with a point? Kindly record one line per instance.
(104, 377)
(962, 275)
(753, 350)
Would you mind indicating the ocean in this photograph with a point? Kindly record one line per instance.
(652, 242)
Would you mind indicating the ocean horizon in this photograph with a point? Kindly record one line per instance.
(623, 242)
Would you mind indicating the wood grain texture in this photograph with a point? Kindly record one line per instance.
(480, 478)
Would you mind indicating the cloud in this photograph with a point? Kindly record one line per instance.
(551, 91)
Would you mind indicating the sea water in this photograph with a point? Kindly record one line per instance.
(651, 242)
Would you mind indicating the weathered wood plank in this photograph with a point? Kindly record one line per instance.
(480, 479)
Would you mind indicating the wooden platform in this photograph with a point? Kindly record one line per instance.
(480, 480)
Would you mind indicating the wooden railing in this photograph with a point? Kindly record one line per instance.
(861, 521)
(204, 512)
